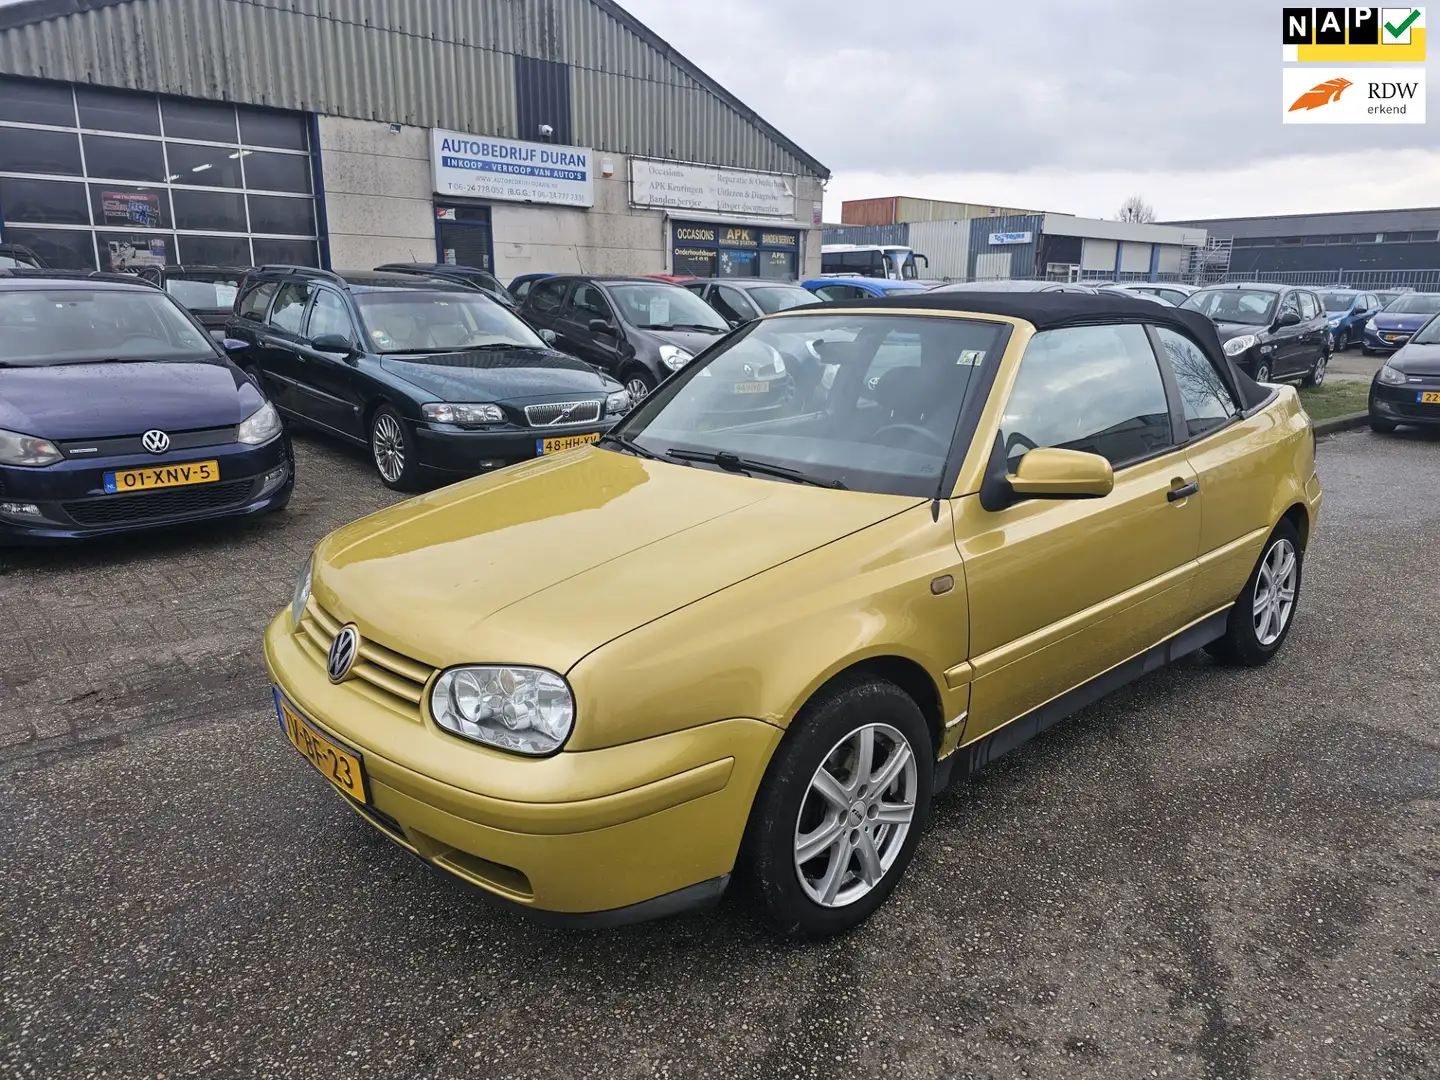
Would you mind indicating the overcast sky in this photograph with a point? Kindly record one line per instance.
(1047, 104)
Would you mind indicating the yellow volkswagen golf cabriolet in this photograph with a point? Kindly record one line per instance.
(847, 555)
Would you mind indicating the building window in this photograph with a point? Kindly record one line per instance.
(705, 249)
(1290, 241)
(155, 179)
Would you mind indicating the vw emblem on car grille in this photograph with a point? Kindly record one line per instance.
(156, 441)
(343, 651)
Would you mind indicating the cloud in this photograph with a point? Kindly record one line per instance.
(1126, 94)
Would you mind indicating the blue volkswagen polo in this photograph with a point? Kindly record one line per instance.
(119, 412)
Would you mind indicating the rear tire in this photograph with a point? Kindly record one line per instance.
(1317, 373)
(859, 822)
(393, 450)
(1261, 619)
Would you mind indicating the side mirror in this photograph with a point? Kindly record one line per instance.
(333, 343)
(230, 344)
(1287, 318)
(1051, 473)
(600, 326)
(546, 335)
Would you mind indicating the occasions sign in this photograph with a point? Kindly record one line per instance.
(698, 187)
(490, 168)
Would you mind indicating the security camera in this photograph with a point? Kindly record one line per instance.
(546, 129)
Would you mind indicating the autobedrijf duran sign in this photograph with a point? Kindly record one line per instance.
(485, 167)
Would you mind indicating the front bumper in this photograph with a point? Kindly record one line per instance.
(74, 505)
(1402, 405)
(454, 449)
(1379, 342)
(619, 834)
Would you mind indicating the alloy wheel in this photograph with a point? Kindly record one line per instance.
(855, 815)
(1318, 375)
(387, 443)
(637, 387)
(1274, 599)
(1262, 373)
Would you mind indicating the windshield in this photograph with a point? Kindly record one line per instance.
(1337, 301)
(39, 328)
(204, 295)
(661, 306)
(782, 298)
(1415, 304)
(415, 321)
(1429, 334)
(1233, 306)
(15, 262)
(870, 401)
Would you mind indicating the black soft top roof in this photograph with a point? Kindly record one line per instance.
(1052, 310)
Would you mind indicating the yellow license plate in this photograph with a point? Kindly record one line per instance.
(339, 764)
(160, 476)
(1430, 397)
(564, 442)
(752, 388)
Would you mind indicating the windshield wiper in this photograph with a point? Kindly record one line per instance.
(734, 463)
(684, 326)
(626, 443)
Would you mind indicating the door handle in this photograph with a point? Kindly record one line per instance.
(1176, 494)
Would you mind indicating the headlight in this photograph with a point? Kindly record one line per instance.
(1369, 324)
(674, 357)
(17, 449)
(1334, 320)
(445, 412)
(1391, 376)
(260, 426)
(618, 403)
(527, 710)
(301, 596)
(1237, 345)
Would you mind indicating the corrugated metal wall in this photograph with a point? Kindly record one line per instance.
(869, 211)
(1022, 256)
(430, 63)
(946, 244)
(867, 234)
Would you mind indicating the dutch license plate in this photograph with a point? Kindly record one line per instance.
(1397, 337)
(564, 442)
(1429, 397)
(752, 388)
(160, 476)
(339, 764)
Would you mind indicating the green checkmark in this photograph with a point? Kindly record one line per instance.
(1396, 31)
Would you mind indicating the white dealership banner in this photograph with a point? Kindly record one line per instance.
(485, 167)
(700, 187)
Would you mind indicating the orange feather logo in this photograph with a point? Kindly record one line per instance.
(1323, 94)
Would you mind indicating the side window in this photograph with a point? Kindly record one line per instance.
(1308, 308)
(522, 290)
(1091, 388)
(546, 295)
(837, 292)
(289, 306)
(698, 288)
(328, 315)
(1173, 295)
(1207, 400)
(589, 303)
(256, 300)
(730, 304)
(1291, 303)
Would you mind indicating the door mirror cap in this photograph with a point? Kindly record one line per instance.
(333, 343)
(231, 344)
(547, 335)
(1051, 473)
(600, 326)
(1287, 318)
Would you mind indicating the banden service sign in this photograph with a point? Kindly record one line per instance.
(484, 167)
(698, 187)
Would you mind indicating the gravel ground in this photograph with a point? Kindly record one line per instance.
(1212, 874)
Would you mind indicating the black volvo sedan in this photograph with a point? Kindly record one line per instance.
(434, 377)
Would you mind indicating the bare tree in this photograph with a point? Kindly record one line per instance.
(1135, 209)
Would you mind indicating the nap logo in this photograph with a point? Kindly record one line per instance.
(1368, 95)
(1372, 35)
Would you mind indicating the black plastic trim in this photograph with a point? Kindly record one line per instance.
(697, 897)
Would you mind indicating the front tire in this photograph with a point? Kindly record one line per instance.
(639, 382)
(392, 449)
(1261, 619)
(1262, 371)
(840, 810)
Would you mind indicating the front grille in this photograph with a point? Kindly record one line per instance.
(158, 505)
(394, 681)
(130, 444)
(1416, 410)
(562, 412)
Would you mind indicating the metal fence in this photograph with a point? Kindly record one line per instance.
(1412, 280)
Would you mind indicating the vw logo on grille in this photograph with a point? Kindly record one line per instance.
(156, 441)
(343, 651)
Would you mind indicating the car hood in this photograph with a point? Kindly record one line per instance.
(1228, 330)
(1400, 321)
(692, 341)
(92, 401)
(1417, 359)
(498, 375)
(546, 561)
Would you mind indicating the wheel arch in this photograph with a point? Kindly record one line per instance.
(910, 676)
(1299, 516)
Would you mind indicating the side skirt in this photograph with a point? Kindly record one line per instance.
(970, 759)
